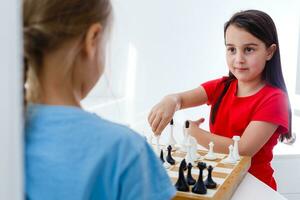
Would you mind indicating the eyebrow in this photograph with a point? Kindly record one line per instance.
(247, 44)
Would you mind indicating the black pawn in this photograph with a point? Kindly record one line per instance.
(187, 124)
(162, 156)
(171, 122)
(209, 182)
(189, 178)
(199, 187)
(181, 184)
(169, 156)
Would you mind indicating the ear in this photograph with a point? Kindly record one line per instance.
(92, 40)
(270, 51)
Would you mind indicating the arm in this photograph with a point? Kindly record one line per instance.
(253, 138)
(162, 113)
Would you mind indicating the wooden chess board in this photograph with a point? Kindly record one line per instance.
(227, 176)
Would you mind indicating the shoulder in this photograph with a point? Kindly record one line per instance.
(273, 106)
(215, 82)
(214, 88)
(271, 93)
(77, 125)
(117, 135)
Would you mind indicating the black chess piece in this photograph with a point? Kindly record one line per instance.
(209, 182)
(162, 156)
(187, 124)
(181, 184)
(169, 156)
(171, 122)
(199, 187)
(189, 178)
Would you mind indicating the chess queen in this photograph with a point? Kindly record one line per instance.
(251, 102)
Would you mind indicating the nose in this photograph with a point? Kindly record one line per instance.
(239, 57)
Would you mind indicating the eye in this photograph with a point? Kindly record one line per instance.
(231, 50)
(249, 49)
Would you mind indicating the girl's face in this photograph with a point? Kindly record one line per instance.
(246, 55)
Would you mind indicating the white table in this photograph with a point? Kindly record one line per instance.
(252, 189)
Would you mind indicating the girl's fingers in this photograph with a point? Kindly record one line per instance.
(151, 117)
(163, 123)
(200, 121)
(155, 123)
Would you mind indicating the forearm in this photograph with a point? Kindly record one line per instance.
(191, 98)
(204, 137)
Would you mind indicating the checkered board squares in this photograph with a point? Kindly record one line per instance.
(227, 176)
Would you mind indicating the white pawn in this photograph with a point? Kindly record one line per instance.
(211, 155)
(172, 141)
(157, 145)
(166, 164)
(236, 154)
(230, 158)
(149, 138)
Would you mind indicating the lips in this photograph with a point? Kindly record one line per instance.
(240, 68)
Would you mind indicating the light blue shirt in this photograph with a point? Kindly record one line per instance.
(73, 154)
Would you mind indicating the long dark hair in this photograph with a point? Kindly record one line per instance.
(260, 25)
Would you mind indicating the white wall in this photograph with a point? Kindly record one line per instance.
(11, 156)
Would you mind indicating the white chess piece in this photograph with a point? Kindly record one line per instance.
(230, 158)
(172, 140)
(194, 153)
(157, 145)
(149, 138)
(236, 154)
(188, 156)
(211, 155)
(185, 139)
(167, 165)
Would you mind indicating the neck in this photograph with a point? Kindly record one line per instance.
(249, 88)
(56, 80)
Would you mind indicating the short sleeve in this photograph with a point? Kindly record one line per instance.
(275, 109)
(212, 89)
(145, 178)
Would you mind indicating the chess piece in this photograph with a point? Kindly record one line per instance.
(172, 140)
(169, 156)
(194, 153)
(181, 184)
(236, 154)
(230, 158)
(149, 139)
(157, 145)
(199, 187)
(209, 182)
(162, 156)
(189, 178)
(185, 136)
(188, 156)
(210, 155)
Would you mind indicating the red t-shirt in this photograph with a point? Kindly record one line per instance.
(270, 104)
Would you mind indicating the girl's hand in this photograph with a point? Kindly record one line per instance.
(194, 125)
(162, 113)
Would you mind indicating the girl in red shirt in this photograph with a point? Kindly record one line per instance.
(251, 102)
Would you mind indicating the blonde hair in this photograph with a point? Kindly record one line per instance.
(47, 24)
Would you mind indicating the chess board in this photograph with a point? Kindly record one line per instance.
(227, 176)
